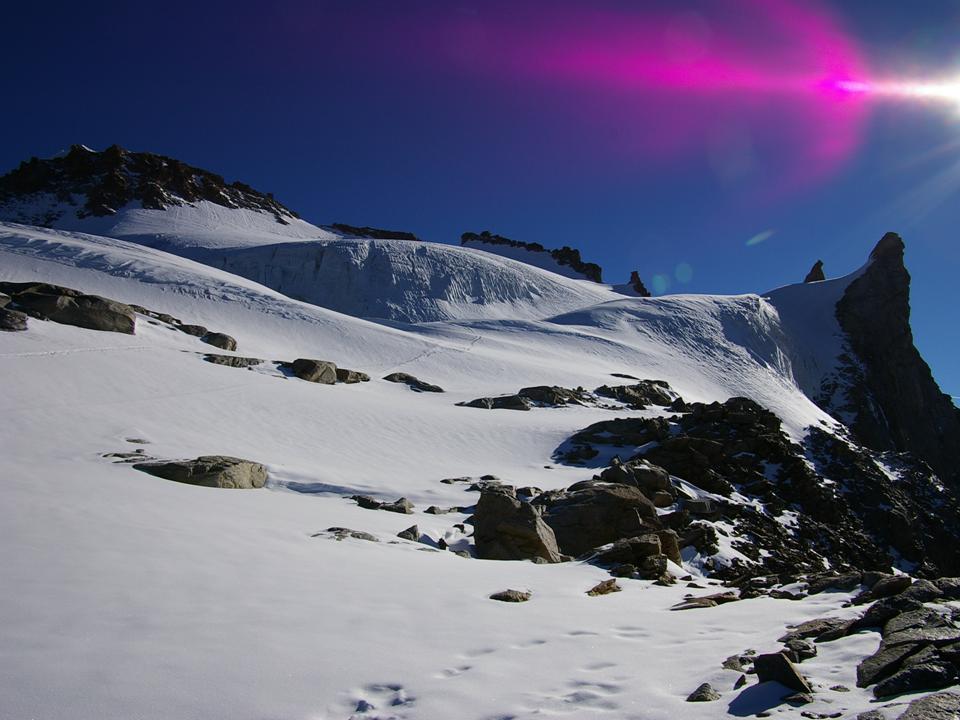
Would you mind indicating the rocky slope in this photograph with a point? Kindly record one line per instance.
(87, 183)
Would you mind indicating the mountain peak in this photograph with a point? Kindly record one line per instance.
(89, 183)
(890, 247)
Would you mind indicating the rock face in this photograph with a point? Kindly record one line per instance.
(111, 179)
(69, 307)
(414, 383)
(816, 273)
(894, 399)
(219, 471)
(316, 371)
(506, 528)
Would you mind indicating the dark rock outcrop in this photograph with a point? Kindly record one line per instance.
(640, 395)
(374, 233)
(107, 181)
(816, 273)
(704, 693)
(414, 383)
(892, 395)
(564, 256)
(218, 471)
(637, 284)
(513, 596)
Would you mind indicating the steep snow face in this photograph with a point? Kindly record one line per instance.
(812, 338)
(409, 281)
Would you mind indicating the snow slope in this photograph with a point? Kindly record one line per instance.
(138, 597)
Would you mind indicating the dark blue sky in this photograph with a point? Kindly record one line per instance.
(439, 117)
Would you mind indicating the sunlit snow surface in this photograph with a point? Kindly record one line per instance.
(130, 596)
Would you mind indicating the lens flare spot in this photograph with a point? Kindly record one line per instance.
(760, 237)
(683, 273)
(660, 283)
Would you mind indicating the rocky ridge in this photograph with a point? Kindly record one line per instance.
(96, 184)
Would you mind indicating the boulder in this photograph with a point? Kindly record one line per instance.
(411, 533)
(704, 693)
(644, 475)
(885, 587)
(316, 371)
(630, 550)
(12, 320)
(218, 471)
(220, 340)
(4, 299)
(232, 360)
(514, 596)
(884, 662)
(670, 546)
(777, 667)
(351, 376)
(413, 382)
(506, 528)
(86, 311)
(926, 676)
(195, 330)
(604, 588)
(402, 506)
(940, 706)
(596, 515)
(340, 533)
(506, 402)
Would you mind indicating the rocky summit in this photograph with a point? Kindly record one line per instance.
(488, 485)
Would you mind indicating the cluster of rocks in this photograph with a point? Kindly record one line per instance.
(323, 372)
(67, 306)
(847, 512)
(638, 396)
(107, 181)
(567, 256)
(919, 649)
(374, 233)
(62, 305)
(401, 505)
(614, 524)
